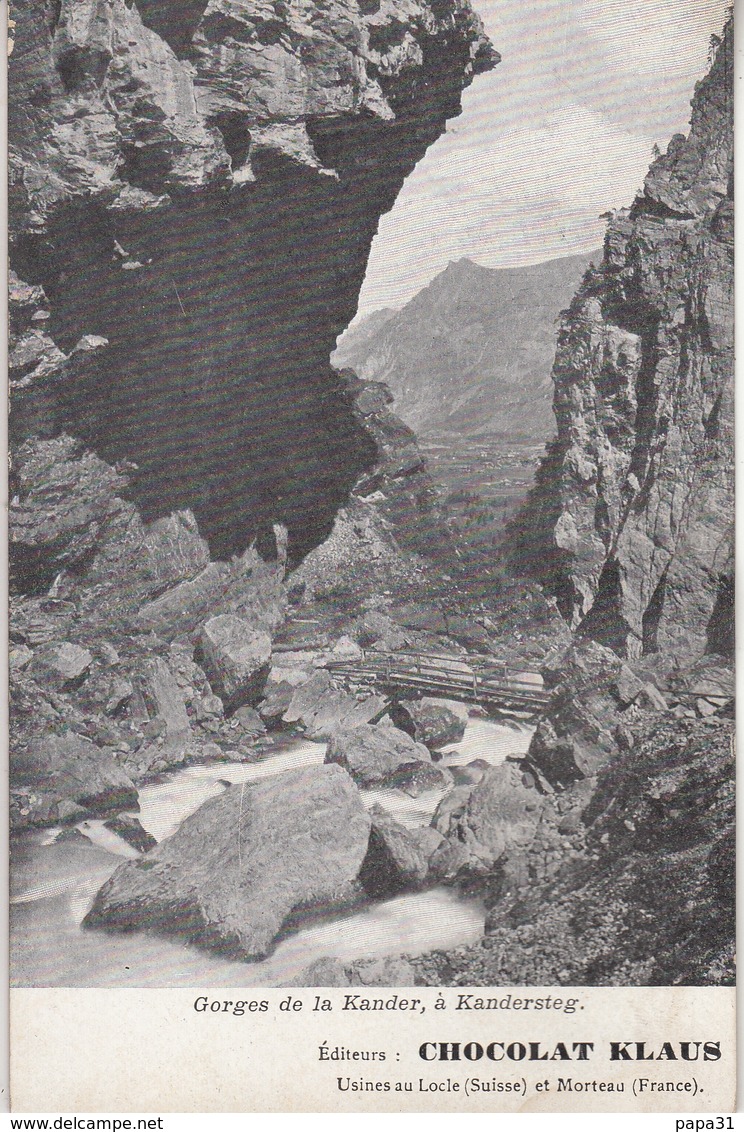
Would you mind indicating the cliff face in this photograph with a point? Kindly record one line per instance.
(633, 509)
(471, 353)
(194, 189)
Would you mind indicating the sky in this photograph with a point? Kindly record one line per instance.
(560, 131)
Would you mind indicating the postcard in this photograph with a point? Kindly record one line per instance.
(371, 556)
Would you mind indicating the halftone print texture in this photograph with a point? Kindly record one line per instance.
(371, 613)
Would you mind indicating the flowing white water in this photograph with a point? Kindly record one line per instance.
(54, 883)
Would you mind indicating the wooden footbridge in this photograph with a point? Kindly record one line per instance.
(482, 680)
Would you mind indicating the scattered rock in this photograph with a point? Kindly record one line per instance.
(109, 654)
(450, 861)
(165, 700)
(571, 822)
(428, 839)
(19, 658)
(306, 699)
(210, 707)
(574, 737)
(276, 701)
(429, 721)
(235, 658)
(154, 728)
(69, 811)
(64, 501)
(386, 971)
(182, 607)
(210, 752)
(175, 549)
(451, 808)
(60, 666)
(649, 901)
(120, 693)
(651, 697)
(709, 677)
(374, 628)
(721, 869)
(623, 736)
(320, 708)
(419, 777)
(250, 721)
(69, 768)
(325, 972)
(627, 686)
(293, 668)
(71, 833)
(346, 649)
(469, 774)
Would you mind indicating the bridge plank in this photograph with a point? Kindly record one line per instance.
(471, 679)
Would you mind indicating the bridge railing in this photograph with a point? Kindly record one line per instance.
(485, 680)
(483, 667)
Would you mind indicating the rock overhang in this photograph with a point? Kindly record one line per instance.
(203, 193)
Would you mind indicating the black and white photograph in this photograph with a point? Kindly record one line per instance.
(371, 497)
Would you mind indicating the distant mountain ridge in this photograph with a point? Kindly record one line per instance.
(472, 352)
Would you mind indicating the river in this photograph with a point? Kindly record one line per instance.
(53, 883)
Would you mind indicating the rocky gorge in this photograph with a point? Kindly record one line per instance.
(170, 212)
(205, 515)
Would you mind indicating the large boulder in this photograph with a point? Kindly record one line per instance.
(320, 708)
(430, 722)
(590, 688)
(70, 772)
(235, 658)
(237, 871)
(247, 587)
(374, 755)
(396, 858)
(492, 823)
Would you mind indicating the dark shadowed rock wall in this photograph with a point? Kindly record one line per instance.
(195, 187)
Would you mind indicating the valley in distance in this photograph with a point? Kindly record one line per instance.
(488, 334)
